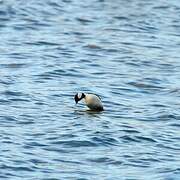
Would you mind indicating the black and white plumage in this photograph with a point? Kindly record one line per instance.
(92, 101)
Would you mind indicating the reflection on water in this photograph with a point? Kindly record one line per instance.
(88, 113)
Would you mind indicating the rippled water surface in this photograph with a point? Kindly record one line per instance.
(128, 52)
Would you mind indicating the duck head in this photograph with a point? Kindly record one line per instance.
(78, 97)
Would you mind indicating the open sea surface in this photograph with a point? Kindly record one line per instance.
(127, 52)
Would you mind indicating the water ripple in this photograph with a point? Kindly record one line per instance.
(127, 52)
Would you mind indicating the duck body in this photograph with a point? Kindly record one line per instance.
(92, 101)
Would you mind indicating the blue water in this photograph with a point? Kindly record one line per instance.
(128, 52)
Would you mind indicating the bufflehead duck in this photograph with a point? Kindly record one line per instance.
(92, 101)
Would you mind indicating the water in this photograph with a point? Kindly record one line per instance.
(125, 51)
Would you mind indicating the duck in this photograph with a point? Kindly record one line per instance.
(92, 101)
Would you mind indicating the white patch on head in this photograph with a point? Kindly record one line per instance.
(79, 95)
